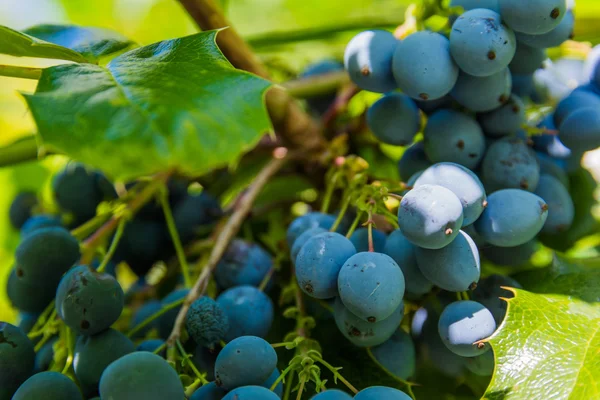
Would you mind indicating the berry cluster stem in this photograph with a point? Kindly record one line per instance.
(185, 269)
(231, 228)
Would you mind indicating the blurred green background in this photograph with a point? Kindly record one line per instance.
(287, 34)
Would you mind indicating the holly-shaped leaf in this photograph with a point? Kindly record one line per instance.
(573, 277)
(18, 44)
(173, 104)
(92, 43)
(548, 347)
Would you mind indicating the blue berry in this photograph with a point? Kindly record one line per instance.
(247, 360)
(371, 286)
(360, 240)
(21, 208)
(462, 324)
(480, 44)
(17, 359)
(362, 333)
(151, 345)
(505, 120)
(462, 182)
(48, 386)
(45, 255)
(249, 311)
(527, 59)
(455, 268)
(381, 392)
(510, 163)
(140, 376)
(307, 221)
(93, 354)
(368, 60)
(303, 238)
(413, 160)
(489, 293)
(423, 66)
(397, 355)
(561, 210)
(481, 365)
(454, 137)
(38, 222)
(430, 216)
(251, 393)
(244, 263)
(580, 130)
(482, 94)
(554, 38)
(166, 321)
(332, 394)
(319, 261)
(87, 301)
(403, 253)
(206, 322)
(209, 392)
(510, 256)
(512, 217)
(394, 119)
(533, 16)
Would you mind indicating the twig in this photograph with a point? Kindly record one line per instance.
(19, 151)
(340, 103)
(225, 236)
(317, 85)
(15, 71)
(294, 125)
(132, 207)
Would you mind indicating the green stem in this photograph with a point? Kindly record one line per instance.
(280, 378)
(274, 38)
(354, 224)
(389, 216)
(370, 236)
(301, 388)
(408, 385)
(15, 71)
(46, 315)
(336, 373)
(160, 348)
(113, 246)
(132, 207)
(89, 227)
(22, 150)
(42, 342)
(329, 192)
(154, 316)
(185, 269)
(266, 279)
(70, 343)
(189, 391)
(189, 362)
(341, 214)
(288, 386)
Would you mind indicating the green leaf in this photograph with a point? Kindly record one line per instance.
(92, 43)
(173, 104)
(572, 277)
(19, 44)
(547, 347)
